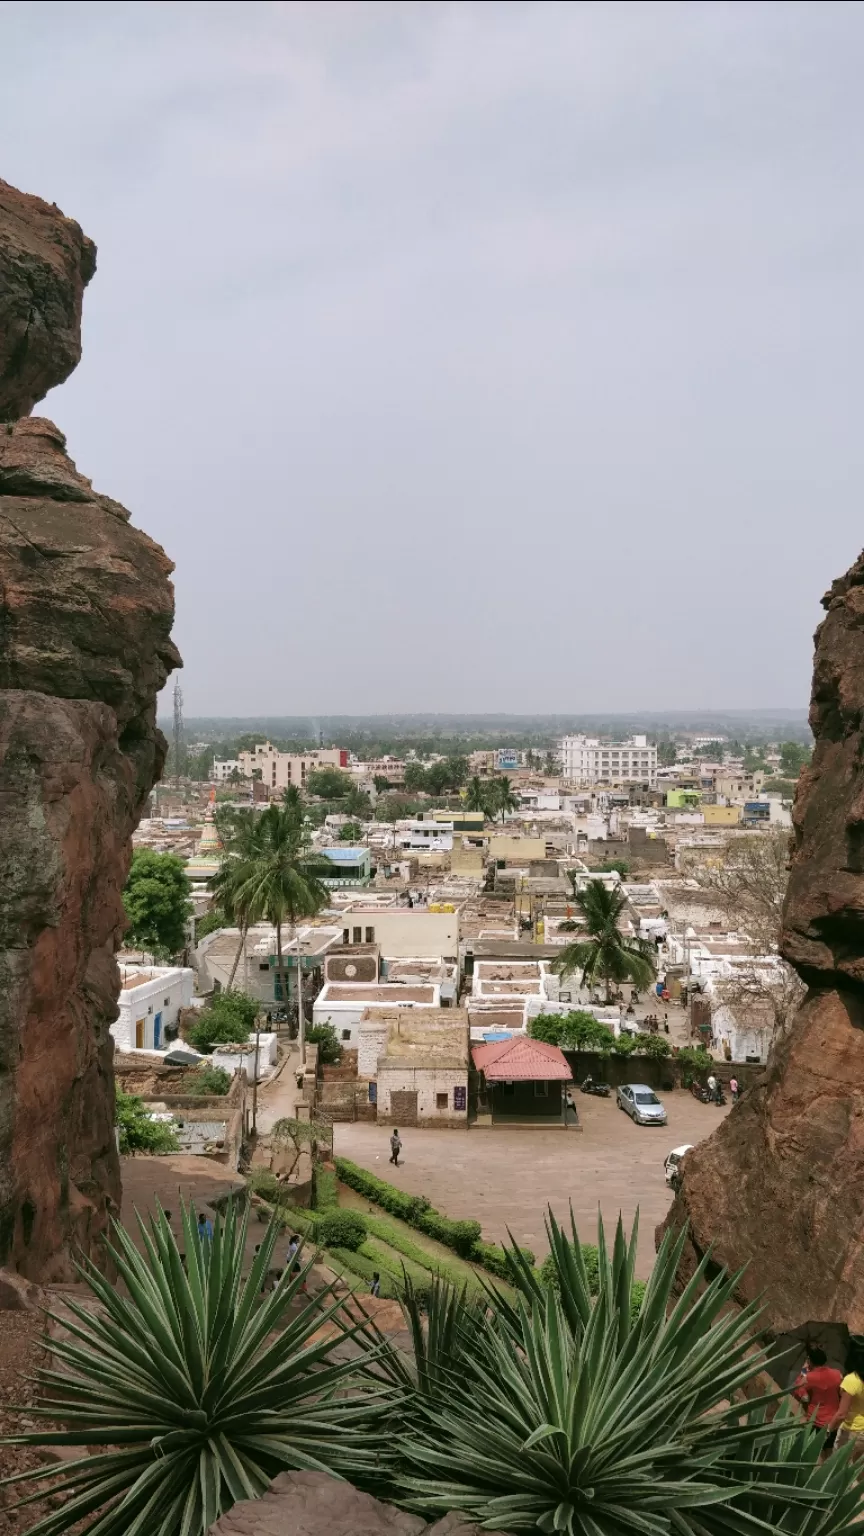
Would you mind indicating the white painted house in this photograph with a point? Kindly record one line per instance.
(150, 1001)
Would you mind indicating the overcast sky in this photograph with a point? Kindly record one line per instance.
(484, 357)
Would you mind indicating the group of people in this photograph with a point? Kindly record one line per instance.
(834, 1399)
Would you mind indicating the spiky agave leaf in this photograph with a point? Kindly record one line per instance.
(203, 1389)
(567, 1414)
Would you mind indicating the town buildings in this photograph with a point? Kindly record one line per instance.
(150, 1001)
(588, 760)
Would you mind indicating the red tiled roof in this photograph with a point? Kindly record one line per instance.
(520, 1059)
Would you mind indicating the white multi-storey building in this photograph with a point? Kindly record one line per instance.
(588, 760)
(279, 769)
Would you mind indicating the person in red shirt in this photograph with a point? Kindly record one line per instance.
(818, 1388)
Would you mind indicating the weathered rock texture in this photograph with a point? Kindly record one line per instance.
(85, 616)
(312, 1504)
(45, 265)
(780, 1184)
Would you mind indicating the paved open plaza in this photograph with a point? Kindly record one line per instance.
(505, 1176)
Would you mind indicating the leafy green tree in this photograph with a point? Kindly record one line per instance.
(328, 783)
(211, 922)
(280, 880)
(350, 832)
(156, 899)
(604, 954)
(620, 866)
(793, 756)
(356, 802)
(138, 1133)
(415, 778)
(198, 1385)
(667, 754)
(381, 784)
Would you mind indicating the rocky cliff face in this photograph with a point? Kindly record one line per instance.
(780, 1184)
(45, 265)
(85, 616)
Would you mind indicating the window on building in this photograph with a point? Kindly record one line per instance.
(165, 1002)
(346, 1034)
(370, 935)
(346, 936)
(357, 936)
(442, 1101)
(541, 1090)
(263, 965)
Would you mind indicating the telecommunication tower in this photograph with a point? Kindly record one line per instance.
(178, 731)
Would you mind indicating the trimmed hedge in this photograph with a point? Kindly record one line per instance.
(397, 1201)
(386, 1232)
(326, 1191)
(462, 1236)
(494, 1258)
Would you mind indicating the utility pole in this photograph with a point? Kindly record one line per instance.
(255, 1076)
(301, 1022)
(178, 732)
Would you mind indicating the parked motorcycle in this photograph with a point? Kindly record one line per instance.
(599, 1090)
(705, 1096)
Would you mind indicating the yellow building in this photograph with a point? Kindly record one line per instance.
(721, 815)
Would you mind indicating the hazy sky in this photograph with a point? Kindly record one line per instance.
(483, 357)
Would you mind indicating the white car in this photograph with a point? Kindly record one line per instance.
(641, 1103)
(672, 1165)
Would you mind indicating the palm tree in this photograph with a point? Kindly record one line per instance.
(477, 795)
(604, 953)
(281, 880)
(505, 800)
(238, 840)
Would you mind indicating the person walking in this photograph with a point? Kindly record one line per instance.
(712, 1086)
(733, 1089)
(818, 1390)
(395, 1147)
(375, 1288)
(205, 1229)
(849, 1418)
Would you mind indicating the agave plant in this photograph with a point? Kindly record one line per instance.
(200, 1388)
(578, 1413)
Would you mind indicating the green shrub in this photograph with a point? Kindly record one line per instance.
(591, 1259)
(138, 1133)
(205, 1081)
(396, 1264)
(327, 1041)
(341, 1229)
(490, 1256)
(304, 1223)
(461, 1236)
(229, 1019)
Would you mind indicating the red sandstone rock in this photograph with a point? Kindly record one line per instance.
(779, 1186)
(45, 264)
(312, 1504)
(86, 607)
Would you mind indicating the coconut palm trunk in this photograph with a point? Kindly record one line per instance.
(244, 929)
